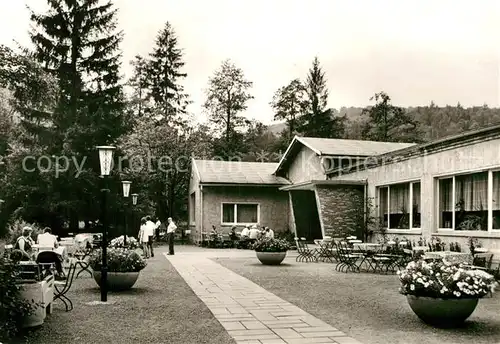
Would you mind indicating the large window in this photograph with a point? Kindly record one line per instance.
(399, 205)
(470, 202)
(240, 213)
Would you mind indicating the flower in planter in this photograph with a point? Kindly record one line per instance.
(132, 242)
(444, 280)
(119, 260)
(271, 245)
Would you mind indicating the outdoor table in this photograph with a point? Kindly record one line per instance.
(480, 250)
(366, 246)
(450, 256)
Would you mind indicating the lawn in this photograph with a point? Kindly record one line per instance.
(366, 306)
(161, 308)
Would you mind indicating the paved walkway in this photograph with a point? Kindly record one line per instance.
(249, 313)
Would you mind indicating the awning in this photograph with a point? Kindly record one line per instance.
(311, 184)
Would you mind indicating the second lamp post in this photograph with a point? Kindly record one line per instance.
(126, 191)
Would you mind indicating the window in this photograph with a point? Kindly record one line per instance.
(399, 205)
(470, 202)
(242, 213)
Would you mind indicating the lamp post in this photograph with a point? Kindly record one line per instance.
(106, 162)
(126, 191)
(134, 203)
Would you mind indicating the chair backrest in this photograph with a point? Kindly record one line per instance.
(483, 260)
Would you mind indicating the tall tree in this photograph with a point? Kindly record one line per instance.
(227, 96)
(138, 102)
(389, 123)
(77, 41)
(164, 73)
(318, 120)
(288, 103)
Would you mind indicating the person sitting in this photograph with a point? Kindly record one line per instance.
(233, 236)
(269, 233)
(254, 233)
(47, 243)
(244, 238)
(24, 244)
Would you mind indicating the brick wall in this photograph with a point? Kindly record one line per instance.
(341, 209)
(274, 208)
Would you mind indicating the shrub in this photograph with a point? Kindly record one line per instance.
(444, 280)
(119, 242)
(119, 260)
(15, 230)
(13, 308)
(271, 245)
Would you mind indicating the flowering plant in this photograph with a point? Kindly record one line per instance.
(441, 279)
(119, 260)
(271, 245)
(132, 242)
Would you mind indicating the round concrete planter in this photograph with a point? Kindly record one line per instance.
(271, 258)
(442, 312)
(118, 281)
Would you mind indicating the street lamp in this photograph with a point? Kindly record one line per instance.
(126, 191)
(106, 162)
(134, 202)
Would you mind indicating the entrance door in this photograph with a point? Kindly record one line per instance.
(305, 212)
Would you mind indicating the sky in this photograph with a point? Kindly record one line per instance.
(417, 51)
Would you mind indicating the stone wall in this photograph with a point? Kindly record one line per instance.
(341, 209)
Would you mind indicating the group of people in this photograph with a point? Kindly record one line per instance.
(254, 233)
(149, 231)
(47, 252)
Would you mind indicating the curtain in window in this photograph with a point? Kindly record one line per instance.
(247, 213)
(383, 201)
(445, 194)
(496, 190)
(472, 191)
(228, 213)
(399, 199)
(416, 197)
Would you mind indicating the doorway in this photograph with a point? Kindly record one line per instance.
(305, 212)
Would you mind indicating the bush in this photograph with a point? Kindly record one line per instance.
(444, 280)
(13, 308)
(15, 230)
(119, 260)
(287, 236)
(118, 242)
(271, 245)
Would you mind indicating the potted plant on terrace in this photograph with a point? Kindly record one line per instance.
(124, 266)
(444, 294)
(271, 251)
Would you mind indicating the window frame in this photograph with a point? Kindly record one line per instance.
(409, 184)
(489, 192)
(235, 204)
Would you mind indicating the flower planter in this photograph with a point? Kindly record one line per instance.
(442, 312)
(271, 258)
(118, 281)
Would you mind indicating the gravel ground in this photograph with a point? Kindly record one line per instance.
(161, 308)
(366, 306)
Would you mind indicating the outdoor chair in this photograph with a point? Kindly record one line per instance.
(61, 288)
(326, 251)
(305, 254)
(347, 261)
(82, 261)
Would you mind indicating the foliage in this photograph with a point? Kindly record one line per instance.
(15, 230)
(289, 102)
(119, 260)
(287, 235)
(444, 280)
(227, 95)
(13, 307)
(317, 119)
(271, 245)
(119, 242)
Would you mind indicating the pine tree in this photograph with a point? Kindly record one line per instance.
(318, 120)
(77, 42)
(164, 75)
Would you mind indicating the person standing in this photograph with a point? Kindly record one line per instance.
(170, 235)
(157, 223)
(143, 238)
(150, 232)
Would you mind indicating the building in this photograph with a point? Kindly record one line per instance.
(448, 188)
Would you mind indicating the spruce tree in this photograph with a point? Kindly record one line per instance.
(164, 73)
(77, 42)
(319, 120)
